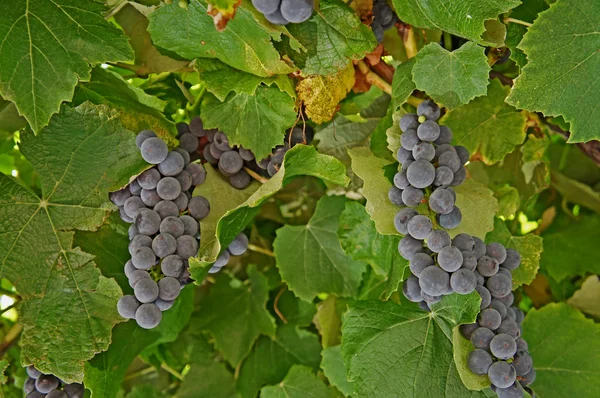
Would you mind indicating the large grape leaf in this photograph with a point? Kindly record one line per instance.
(83, 153)
(47, 46)
(562, 53)
(300, 382)
(487, 125)
(310, 258)
(565, 347)
(478, 207)
(271, 358)
(402, 83)
(247, 316)
(333, 366)
(257, 122)
(587, 298)
(451, 78)
(359, 239)
(570, 247)
(105, 372)
(530, 248)
(527, 12)
(389, 347)
(462, 348)
(244, 43)
(295, 311)
(463, 18)
(331, 37)
(232, 210)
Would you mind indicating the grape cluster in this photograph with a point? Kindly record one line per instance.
(40, 385)
(282, 12)
(500, 351)
(384, 18)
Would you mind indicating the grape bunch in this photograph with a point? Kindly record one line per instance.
(40, 385)
(384, 18)
(282, 12)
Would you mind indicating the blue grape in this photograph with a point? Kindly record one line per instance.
(443, 176)
(437, 240)
(423, 151)
(467, 330)
(196, 126)
(502, 374)
(499, 285)
(187, 246)
(142, 136)
(189, 142)
(522, 362)
(449, 159)
(164, 244)
(148, 179)
(463, 281)
(127, 305)
(411, 289)
(173, 226)
(147, 222)
(132, 205)
(441, 201)
(199, 207)
(395, 196)
(119, 197)
(172, 266)
(409, 139)
(479, 361)
(412, 196)
(403, 155)
(420, 174)
(400, 180)
(463, 154)
(486, 297)
(239, 245)
(168, 288)
(296, 11)
(487, 266)
(409, 121)
(148, 316)
(168, 188)
(429, 109)
(479, 249)
(146, 290)
(46, 383)
(172, 165)
(489, 318)
(230, 163)
(154, 150)
(481, 338)
(409, 246)
(434, 281)
(143, 258)
(166, 208)
(498, 306)
(150, 197)
(450, 258)
(445, 136)
(497, 251)
(450, 220)
(139, 241)
(460, 176)
(276, 18)
(513, 259)
(240, 180)
(190, 225)
(419, 227)
(469, 261)
(185, 180)
(428, 131)
(402, 218)
(419, 262)
(510, 327)
(513, 391)
(197, 172)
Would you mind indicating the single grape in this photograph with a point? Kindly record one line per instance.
(168, 188)
(449, 159)
(479, 361)
(276, 18)
(467, 330)
(197, 172)
(513, 259)
(143, 258)
(402, 218)
(172, 165)
(137, 276)
(529, 378)
(434, 281)
(148, 179)
(187, 246)
(510, 327)
(135, 188)
(196, 126)
(132, 205)
(423, 151)
(419, 262)
(463, 281)
(463, 154)
(437, 240)
(185, 180)
(441, 201)
(443, 148)
(199, 207)
(148, 316)
(403, 155)
(46, 383)
(172, 266)
(489, 318)
(127, 305)
(166, 208)
(445, 136)
(188, 142)
(450, 258)
(278, 154)
(147, 222)
(146, 290)
(230, 163)
(469, 261)
(169, 288)
(182, 128)
(240, 180)
(33, 372)
(486, 297)
(222, 260)
(507, 300)
(450, 220)
(409, 121)
(460, 176)
(419, 227)
(405, 165)
(497, 251)
(164, 244)
(150, 197)
(29, 386)
(272, 169)
(479, 249)
(239, 245)
(247, 154)
(184, 154)
(154, 150)
(480, 279)
(400, 180)
(519, 315)
(409, 246)
(411, 289)
(487, 266)
(119, 197)
(409, 139)
(502, 374)
(429, 109)
(207, 153)
(181, 201)
(412, 196)
(498, 306)
(163, 305)
(190, 226)
(395, 196)
(74, 390)
(443, 176)
(522, 363)
(173, 226)
(481, 338)
(499, 285)
(378, 31)
(510, 314)
(513, 391)
(383, 13)
(428, 131)
(142, 136)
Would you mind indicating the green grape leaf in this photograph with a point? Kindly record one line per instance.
(452, 78)
(508, 201)
(495, 33)
(376, 186)
(378, 142)
(247, 316)
(226, 8)
(527, 12)
(83, 153)
(587, 298)
(10, 120)
(487, 125)
(402, 83)
(52, 44)
(138, 110)
(462, 348)
(232, 210)
(147, 57)
(244, 44)
(465, 18)
(393, 133)
(329, 320)
(359, 239)
(271, 359)
(565, 63)
(565, 346)
(221, 79)
(257, 122)
(564, 255)
(421, 361)
(478, 207)
(530, 248)
(310, 258)
(333, 366)
(331, 37)
(144, 391)
(296, 311)
(300, 382)
(105, 372)
(575, 191)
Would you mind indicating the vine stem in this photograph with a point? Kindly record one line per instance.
(256, 176)
(414, 101)
(410, 42)
(258, 249)
(517, 21)
(373, 78)
(279, 314)
(171, 371)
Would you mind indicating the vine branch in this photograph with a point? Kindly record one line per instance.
(373, 78)
(261, 250)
